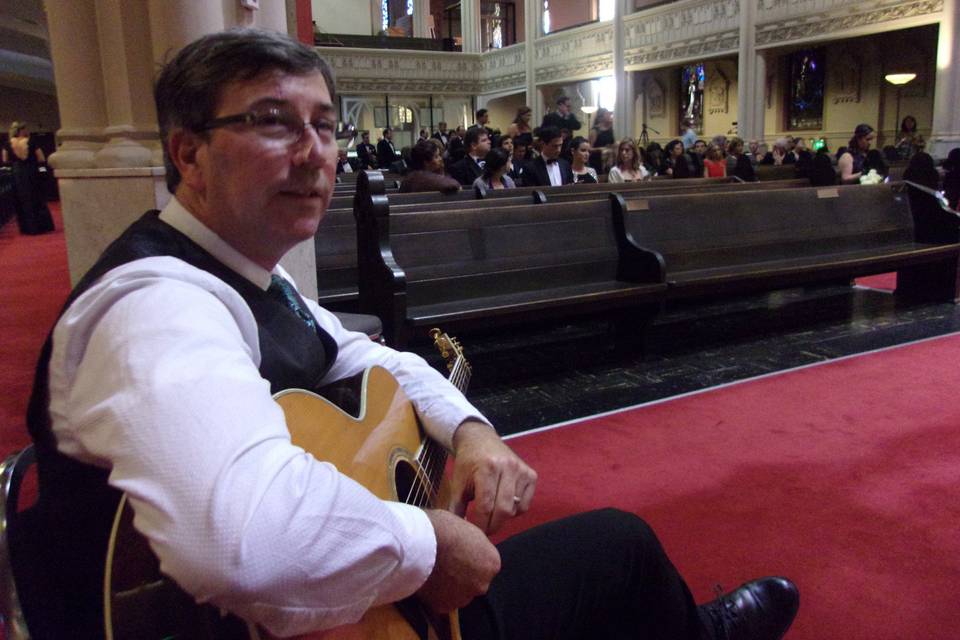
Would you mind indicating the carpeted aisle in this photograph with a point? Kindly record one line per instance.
(843, 476)
(35, 283)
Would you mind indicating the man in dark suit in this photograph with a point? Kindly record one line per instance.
(386, 153)
(366, 152)
(482, 119)
(470, 167)
(562, 118)
(549, 169)
(442, 134)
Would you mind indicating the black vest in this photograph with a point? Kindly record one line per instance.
(59, 556)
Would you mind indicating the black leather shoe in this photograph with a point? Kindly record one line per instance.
(759, 610)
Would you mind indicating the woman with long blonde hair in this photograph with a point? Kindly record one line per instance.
(629, 164)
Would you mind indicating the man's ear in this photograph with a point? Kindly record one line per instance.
(185, 148)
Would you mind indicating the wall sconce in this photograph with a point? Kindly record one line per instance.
(899, 78)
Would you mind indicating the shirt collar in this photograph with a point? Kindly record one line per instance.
(178, 217)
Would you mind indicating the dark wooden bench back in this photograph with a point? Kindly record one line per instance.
(711, 230)
(335, 246)
(490, 251)
(678, 187)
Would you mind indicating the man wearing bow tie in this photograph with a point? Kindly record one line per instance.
(470, 167)
(549, 170)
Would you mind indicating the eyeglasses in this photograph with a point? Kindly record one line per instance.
(276, 125)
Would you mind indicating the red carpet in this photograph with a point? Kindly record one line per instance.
(35, 283)
(844, 477)
(885, 281)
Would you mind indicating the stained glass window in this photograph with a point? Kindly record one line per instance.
(806, 88)
(546, 16)
(497, 27)
(385, 13)
(409, 7)
(693, 79)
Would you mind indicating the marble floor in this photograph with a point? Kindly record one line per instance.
(525, 379)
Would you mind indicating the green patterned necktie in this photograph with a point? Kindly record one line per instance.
(282, 290)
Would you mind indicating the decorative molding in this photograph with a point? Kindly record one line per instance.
(684, 21)
(787, 21)
(397, 71)
(718, 44)
(503, 69)
(574, 54)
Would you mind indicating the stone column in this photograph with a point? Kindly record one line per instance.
(624, 109)
(759, 97)
(470, 25)
(127, 71)
(174, 23)
(749, 121)
(75, 51)
(531, 23)
(946, 115)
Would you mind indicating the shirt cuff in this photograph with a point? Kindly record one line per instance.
(419, 554)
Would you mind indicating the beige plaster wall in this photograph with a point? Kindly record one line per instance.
(503, 110)
(876, 102)
(334, 16)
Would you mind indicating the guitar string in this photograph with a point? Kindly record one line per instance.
(427, 491)
(434, 460)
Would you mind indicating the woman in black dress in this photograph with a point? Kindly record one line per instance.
(25, 158)
(601, 136)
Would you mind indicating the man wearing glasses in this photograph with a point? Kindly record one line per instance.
(158, 383)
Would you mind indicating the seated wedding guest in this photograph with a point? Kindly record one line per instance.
(549, 169)
(629, 167)
(344, 164)
(675, 162)
(521, 156)
(753, 151)
(496, 166)
(780, 154)
(582, 172)
(951, 179)
(426, 174)
(922, 171)
(366, 152)
(654, 158)
(738, 161)
(470, 167)
(695, 156)
(714, 164)
(442, 134)
(455, 146)
(823, 173)
(850, 163)
(803, 167)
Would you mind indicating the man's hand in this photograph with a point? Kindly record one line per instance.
(466, 563)
(489, 474)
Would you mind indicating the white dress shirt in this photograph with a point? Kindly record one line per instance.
(154, 374)
(553, 171)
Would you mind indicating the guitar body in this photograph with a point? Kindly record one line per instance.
(383, 448)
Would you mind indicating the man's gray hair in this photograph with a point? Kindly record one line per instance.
(189, 87)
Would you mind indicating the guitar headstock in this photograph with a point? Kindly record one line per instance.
(452, 352)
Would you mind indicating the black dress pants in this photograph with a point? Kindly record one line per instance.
(597, 575)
